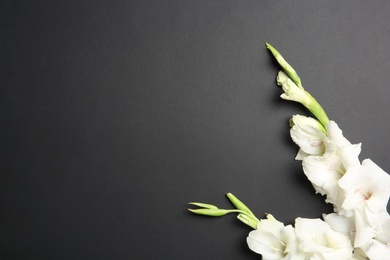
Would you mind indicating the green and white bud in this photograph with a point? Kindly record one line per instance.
(285, 66)
(239, 204)
(291, 91)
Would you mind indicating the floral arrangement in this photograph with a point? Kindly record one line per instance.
(359, 228)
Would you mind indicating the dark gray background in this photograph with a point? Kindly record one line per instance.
(115, 114)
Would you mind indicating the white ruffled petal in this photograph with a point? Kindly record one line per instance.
(308, 138)
(266, 244)
(342, 224)
(376, 250)
(324, 173)
(319, 241)
(336, 135)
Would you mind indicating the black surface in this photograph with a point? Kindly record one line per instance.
(115, 114)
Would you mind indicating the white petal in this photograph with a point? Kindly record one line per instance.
(376, 250)
(345, 225)
(349, 155)
(324, 172)
(366, 184)
(336, 135)
(319, 239)
(291, 241)
(384, 232)
(272, 226)
(308, 138)
(266, 244)
(301, 155)
(371, 225)
(304, 120)
(309, 230)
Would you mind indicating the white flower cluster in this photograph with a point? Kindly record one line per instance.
(358, 229)
(359, 191)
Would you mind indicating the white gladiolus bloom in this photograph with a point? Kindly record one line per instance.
(325, 170)
(319, 241)
(371, 226)
(273, 240)
(379, 246)
(309, 135)
(324, 173)
(359, 228)
(367, 191)
(366, 184)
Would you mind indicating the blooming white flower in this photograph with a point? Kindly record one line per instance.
(367, 184)
(367, 191)
(273, 240)
(319, 241)
(325, 170)
(371, 226)
(360, 227)
(309, 135)
(324, 173)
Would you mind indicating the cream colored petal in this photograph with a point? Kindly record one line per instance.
(308, 138)
(323, 172)
(291, 90)
(266, 244)
(336, 135)
(376, 250)
(342, 224)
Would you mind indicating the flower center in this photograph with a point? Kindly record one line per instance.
(366, 194)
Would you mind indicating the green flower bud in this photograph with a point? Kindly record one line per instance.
(293, 90)
(286, 67)
(238, 204)
(210, 212)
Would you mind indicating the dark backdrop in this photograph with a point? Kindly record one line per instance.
(115, 114)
